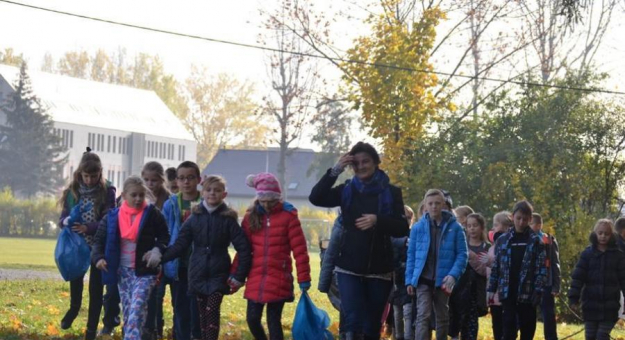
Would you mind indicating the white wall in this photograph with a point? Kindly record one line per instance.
(116, 165)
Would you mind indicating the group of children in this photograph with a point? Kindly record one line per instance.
(511, 270)
(448, 272)
(163, 230)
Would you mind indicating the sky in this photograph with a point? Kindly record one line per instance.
(35, 33)
(38, 32)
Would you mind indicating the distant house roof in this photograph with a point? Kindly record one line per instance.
(103, 105)
(236, 165)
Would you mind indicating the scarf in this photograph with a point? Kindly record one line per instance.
(379, 185)
(84, 190)
(129, 230)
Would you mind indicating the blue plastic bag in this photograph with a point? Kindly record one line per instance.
(72, 253)
(310, 322)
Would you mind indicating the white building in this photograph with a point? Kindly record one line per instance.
(125, 126)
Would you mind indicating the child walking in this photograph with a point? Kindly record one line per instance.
(437, 258)
(128, 236)
(87, 189)
(176, 210)
(153, 175)
(274, 231)
(471, 288)
(502, 222)
(600, 275)
(456, 303)
(552, 281)
(209, 231)
(401, 301)
(519, 273)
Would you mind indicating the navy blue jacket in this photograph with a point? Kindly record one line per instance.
(598, 280)
(153, 232)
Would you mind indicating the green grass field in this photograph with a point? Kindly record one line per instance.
(32, 309)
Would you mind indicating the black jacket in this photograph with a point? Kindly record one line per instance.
(369, 251)
(211, 234)
(153, 232)
(599, 278)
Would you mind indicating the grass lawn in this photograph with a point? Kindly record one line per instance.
(32, 309)
(27, 253)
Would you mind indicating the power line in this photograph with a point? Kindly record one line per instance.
(310, 55)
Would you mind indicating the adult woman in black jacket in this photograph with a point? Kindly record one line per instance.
(372, 212)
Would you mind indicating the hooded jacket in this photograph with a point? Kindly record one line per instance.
(271, 278)
(598, 280)
(452, 255)
(210, 234)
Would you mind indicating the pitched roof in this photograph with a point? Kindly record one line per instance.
(103, 105)
(236, 165)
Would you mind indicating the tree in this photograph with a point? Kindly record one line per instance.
(332, 123)
(30, 151)
(293, 81)
(10, 58)
(221, 114)
(396, 104)
(146, 72)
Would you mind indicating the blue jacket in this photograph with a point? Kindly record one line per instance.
(452, 256)
(107, 242)
(329, 257)
(172, 213)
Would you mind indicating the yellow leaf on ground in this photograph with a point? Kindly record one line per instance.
(52, 310)
(52, 330)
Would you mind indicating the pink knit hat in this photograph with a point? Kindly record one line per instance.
(267, 185)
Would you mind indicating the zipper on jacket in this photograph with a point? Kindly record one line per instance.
(266, 248)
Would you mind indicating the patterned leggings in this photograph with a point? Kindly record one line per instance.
(209, 307)
(134, 292)
(598, 330)
(470, 324)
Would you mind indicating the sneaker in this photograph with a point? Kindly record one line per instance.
(106, 331)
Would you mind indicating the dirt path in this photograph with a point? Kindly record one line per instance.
(28, 274)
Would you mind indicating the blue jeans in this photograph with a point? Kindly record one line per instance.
(547, 309)
(362, 303)
(186, 313)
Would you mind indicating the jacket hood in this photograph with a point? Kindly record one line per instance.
(223, 210)
(595, 242)
(447, 217)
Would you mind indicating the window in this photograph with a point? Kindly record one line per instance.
(119, 146)
(71, 138)
(124, 150)
(108, 145)
(114, 143)
(124, 175)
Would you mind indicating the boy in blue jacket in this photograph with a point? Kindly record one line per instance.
(176, 210)
(437, 257)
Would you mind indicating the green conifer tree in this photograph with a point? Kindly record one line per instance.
(30, 151)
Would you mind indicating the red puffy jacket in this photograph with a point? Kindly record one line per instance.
(271, 278)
